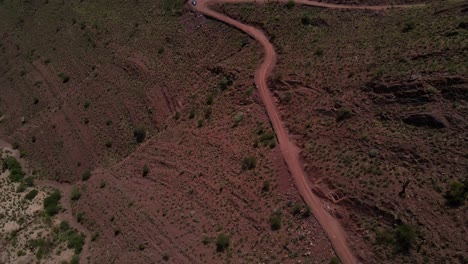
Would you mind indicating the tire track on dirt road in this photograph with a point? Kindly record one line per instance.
(291, 152)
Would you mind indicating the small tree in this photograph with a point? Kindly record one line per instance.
(222, 242)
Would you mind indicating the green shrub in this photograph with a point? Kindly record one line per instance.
(29, 181)
(21, 188)
(249, 163)
(405, 237)
(109, 144)
(16, 172)
(290, 4)
(335, 260)
(209, 100)
(296, 209)
(51, 203)
(318, 52)
(402, 238)
(266, 186)
(408, 26)
(102, 184)
(222, 242)
(306, 212)
(75, 194)
(86, 175)
(139, 134)
(343, 114)
(31, 195)
(75, 259)
(76, 241)
(456, 193)
(275, 221)
(65, 78)
(145, 170)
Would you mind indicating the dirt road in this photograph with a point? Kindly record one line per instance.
(290, 151)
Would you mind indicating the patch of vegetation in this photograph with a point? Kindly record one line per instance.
(145, 170)
(139, 134)
(74, 239)
(222, 242)
(238, 118)
(173, 7)
(86, 175)
(40, 246)
(335, 260)
(265, 138)
(249, 163)
(13, 165)
(109, 143)
(224, 83)
(457, 193)
(343, 114)
(266, 186)
(402, 238)
(75, 194)
(51, 203)
(31, 195)
(275, 221)
(290, 4)
(75, 259)
(408, 26)
(318, 52)
(65, 78)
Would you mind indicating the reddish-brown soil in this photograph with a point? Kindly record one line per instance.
(165, 73)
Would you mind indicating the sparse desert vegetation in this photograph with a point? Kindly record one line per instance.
(148, 119)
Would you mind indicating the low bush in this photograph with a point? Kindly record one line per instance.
(86, 175)
(222, 242)
(139, 134)
(75, 194)
(275, 221)
(51, 203)
(16, 172)
(31, 195)
(457, 193)
(249, 163)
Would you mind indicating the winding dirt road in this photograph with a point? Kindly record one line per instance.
(291, 152)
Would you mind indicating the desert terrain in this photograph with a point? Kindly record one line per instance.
(234, 132)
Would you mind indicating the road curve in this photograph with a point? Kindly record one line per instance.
(291, 152)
